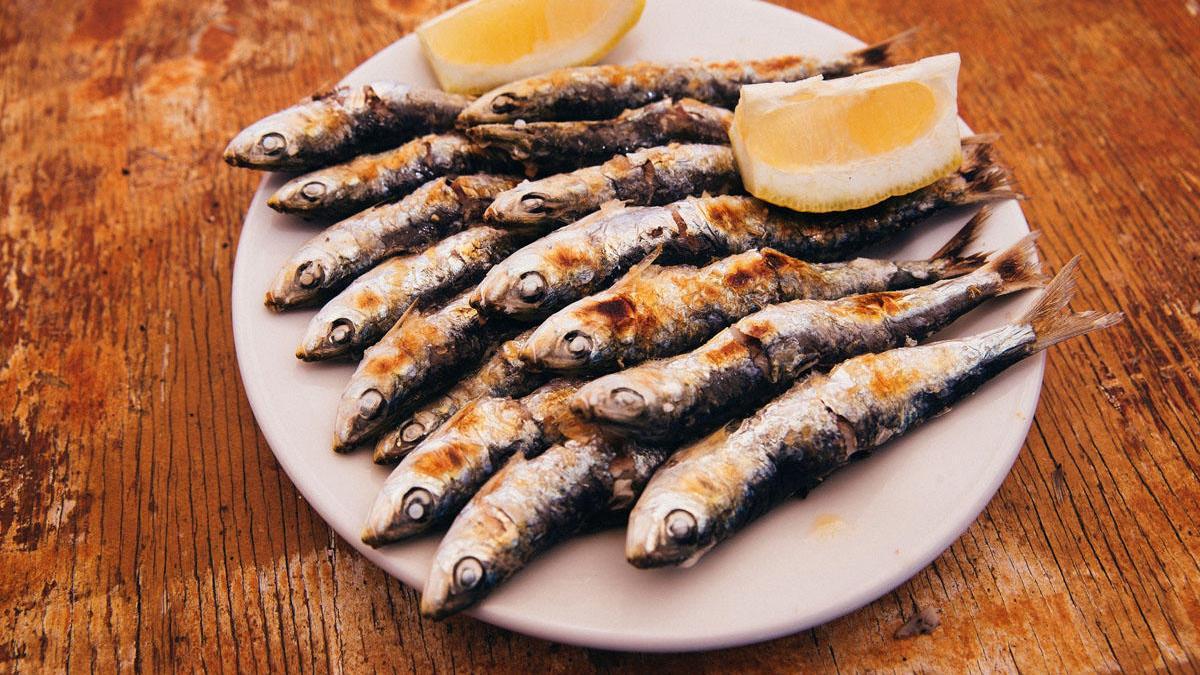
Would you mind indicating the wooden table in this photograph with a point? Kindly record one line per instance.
(144, 522)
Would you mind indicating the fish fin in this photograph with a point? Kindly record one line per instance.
(1018, 266)
(880, 53)
(950, 259)
(1050, 324)
(990, 184)
(408, 312)
(987, 180)
(372, 98)
(985, 139)
(640, 268)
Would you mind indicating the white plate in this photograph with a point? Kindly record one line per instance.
(866, 531)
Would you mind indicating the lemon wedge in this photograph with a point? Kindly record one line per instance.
(849, 143)
(485, 43)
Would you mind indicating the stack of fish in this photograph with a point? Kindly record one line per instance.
(536, 353)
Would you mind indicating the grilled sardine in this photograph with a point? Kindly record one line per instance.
(823, 422)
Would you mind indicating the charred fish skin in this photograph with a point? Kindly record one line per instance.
(433, 481)
(335, 125)
(358, 316)
(600, 92)
(734, 224)
(526, 508)
(661, 311)
(410, 362)
(710, 491)
(573, 261)
(346, 249)
(588, 255)
(343, 189)
(645, 178)
(501, 374)
(774, 346)
(560, 145)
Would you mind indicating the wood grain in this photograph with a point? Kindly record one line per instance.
(144, 523)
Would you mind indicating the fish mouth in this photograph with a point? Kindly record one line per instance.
(508, 293)
(446, 592)
(556, 350)
(231, 155)
(327, 339)
(618, 404)
(522, 208)
(300, 194)
(660, 541)
(359, 416)
(398, 514)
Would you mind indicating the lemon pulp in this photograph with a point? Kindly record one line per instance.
(498, 36)
(814, 130)
(849, 143)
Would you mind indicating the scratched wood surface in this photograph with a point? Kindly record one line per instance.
(145, 524)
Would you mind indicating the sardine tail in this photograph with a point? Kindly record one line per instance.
(951, 258)
(1051, 325)
(991, 184)
(1018, 265)
(880, 53)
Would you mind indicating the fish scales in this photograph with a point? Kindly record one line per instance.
(331, 260)
(415, 359)
(335, 125)
(772, 347)
(648, 177)
(433, 481)
(547, 146)
(501, 374)
(527, 507)
(587, 255)
(600, 92)
(343, 189)
(709, 491)
(358, 316)
(659, 311)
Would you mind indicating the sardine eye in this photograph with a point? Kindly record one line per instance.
(272, 143)
(341, 331)
(468, 572)
(531, 287)
(535, 202)
(313, 190)
(417, 504)
(504, 103)
(370, 404)
(631, 401)
(578, 344)
(310, 275)
(681, 526)
(412, 432)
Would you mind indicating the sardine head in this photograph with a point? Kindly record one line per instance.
(262, 145)
(329, 336)
(363, 411)
(306, 193)
(520, 287)
(529, 205)
(414, 430)
(456, 581)
(635, 401)
(674, 530)
(568, 342)
(303, 280)
(495, 106)
(406, 506)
